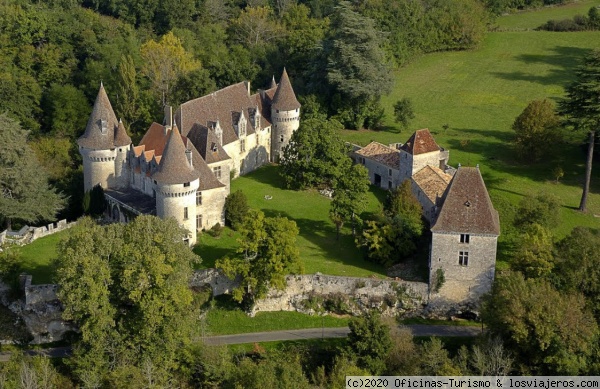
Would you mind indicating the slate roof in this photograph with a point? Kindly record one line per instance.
(420, 142)
(285, 98)
(207, 144)
(466, 206)
(218, 106)
(174, 167)
(382, 154)
(135, 199)
(102, 114)
(432, 181)
(121, 137)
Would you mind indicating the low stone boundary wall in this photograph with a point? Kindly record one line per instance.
(358, 295)
(29, 234)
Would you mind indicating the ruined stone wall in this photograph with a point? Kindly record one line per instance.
(28, 234)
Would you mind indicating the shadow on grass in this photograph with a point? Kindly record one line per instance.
(269, 175)
(563, 59)
(323, 236)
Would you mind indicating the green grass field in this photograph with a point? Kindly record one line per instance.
(534, 18)
(478, 94)
(36, 257)
(319, 249)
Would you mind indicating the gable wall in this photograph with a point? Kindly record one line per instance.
(463, 282)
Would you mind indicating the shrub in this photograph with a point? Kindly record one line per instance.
(236, 209)
(216, 230)
(540, 209)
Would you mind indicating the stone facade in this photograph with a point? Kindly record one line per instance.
(211, 139)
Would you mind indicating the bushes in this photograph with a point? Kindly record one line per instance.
(591, 22)
(236, 208)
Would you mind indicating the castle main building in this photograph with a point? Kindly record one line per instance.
(182, 168)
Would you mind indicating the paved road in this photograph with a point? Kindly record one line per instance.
(337, 332)
(311, 333)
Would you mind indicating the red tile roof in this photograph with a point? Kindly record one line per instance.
(466, 206)
(432, 181)
(420, 142)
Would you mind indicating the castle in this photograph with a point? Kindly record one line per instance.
(464, 224)
(182, 168)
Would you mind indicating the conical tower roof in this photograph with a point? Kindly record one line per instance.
(100, 130)
(273, 83)
(174, 167)
(285, 98)
(121, 137)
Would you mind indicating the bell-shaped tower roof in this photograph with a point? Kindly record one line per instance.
(100, 130)
(285, 98)
(175, 168)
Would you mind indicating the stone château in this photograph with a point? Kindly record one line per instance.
(182, 167)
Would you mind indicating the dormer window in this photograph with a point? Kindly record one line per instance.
(104, 126)
(213, 147)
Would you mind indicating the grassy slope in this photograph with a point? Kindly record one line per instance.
(532, 19)
(319, 251)
(37, 256)
(479, 93)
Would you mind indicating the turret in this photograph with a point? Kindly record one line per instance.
(285, 115)
(103, 146)
(176, 183)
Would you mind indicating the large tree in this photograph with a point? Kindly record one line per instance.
(550, 332)
(536, 130)
(127, 289)
(24, 191)
(267, 253)
(581, 109)
(349, 196)
(315, 156)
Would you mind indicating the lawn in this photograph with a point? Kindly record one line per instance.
(227, 318)
(478, 94)
(319, 249)
(36, 257)
(534, 18)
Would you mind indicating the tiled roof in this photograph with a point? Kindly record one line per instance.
(121, 137)
(174, 167)
(155, 138)
(217, 106)
(432, 181)
(207, 177)
(207, 144)
(285, 98)
(420, 142)
(382, 154)
(466, 206)
(102, 116)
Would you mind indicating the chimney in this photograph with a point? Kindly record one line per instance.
(247, 83)
(168, 121)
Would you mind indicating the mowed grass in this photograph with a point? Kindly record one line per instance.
(232, 320)
(478, 94)
(531, 19)
(36, 257)
(319, 249)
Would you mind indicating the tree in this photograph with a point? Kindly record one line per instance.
(549, 332)
(349, 196)
(255, 26)
(126, 286)
(268, 252)
(536, 130)
(236, 209)
(315, 156)
(403, 112)
(66, 111)
(578, 265)
(542, 209)
(369, 342)
(164, 62)
(128, 105)
(24, 190)
(534, 256)
(581, 109)
(94, 202)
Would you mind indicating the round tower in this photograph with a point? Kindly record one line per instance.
(97, 144)
(285, 115)
(176, 183)
(122, 144)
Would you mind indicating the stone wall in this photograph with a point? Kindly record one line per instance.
(28, 234)
(356, 294)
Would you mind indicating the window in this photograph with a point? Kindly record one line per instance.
(242, 145)
(198, 222)
(281, 138)
(185, 185)
(198, 198)
(390, 172)
(464, 238)
(463, 258)
(217, 171)
(185, 213)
